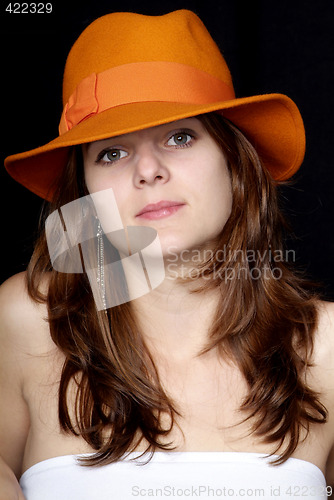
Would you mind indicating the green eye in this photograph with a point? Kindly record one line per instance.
(179, 139)
(112, 155)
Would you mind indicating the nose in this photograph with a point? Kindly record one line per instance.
(149, 167)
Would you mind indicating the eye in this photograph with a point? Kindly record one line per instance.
(180, 139)
(111, 155)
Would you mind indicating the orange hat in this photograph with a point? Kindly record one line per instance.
(129, 71)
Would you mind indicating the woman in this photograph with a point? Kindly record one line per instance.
(222, 370)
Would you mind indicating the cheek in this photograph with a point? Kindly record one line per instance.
(98, 180)
(218, 192)
(224, 190)
(221, 206)
(95, 181)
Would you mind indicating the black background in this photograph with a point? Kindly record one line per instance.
(281, 46)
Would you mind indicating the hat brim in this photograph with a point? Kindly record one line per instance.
(271, 122)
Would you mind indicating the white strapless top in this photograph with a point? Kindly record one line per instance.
(176, 475)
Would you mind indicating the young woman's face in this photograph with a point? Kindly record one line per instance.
(172, 177)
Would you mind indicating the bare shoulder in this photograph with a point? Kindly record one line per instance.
(323, 354)
(14, 294)
(323, 372)
(324, 336)
(24, 338)
(23, 321)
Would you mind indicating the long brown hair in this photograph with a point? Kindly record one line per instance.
(265, 323)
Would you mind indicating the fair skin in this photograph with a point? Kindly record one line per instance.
(165, 163)
(152, 166)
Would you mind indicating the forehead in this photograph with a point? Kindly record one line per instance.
(184, 123)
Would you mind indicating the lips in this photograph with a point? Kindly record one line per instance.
(160, 210)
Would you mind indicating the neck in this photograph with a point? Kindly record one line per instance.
(174, 320)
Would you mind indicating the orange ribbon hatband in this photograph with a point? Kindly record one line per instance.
(142, 82)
